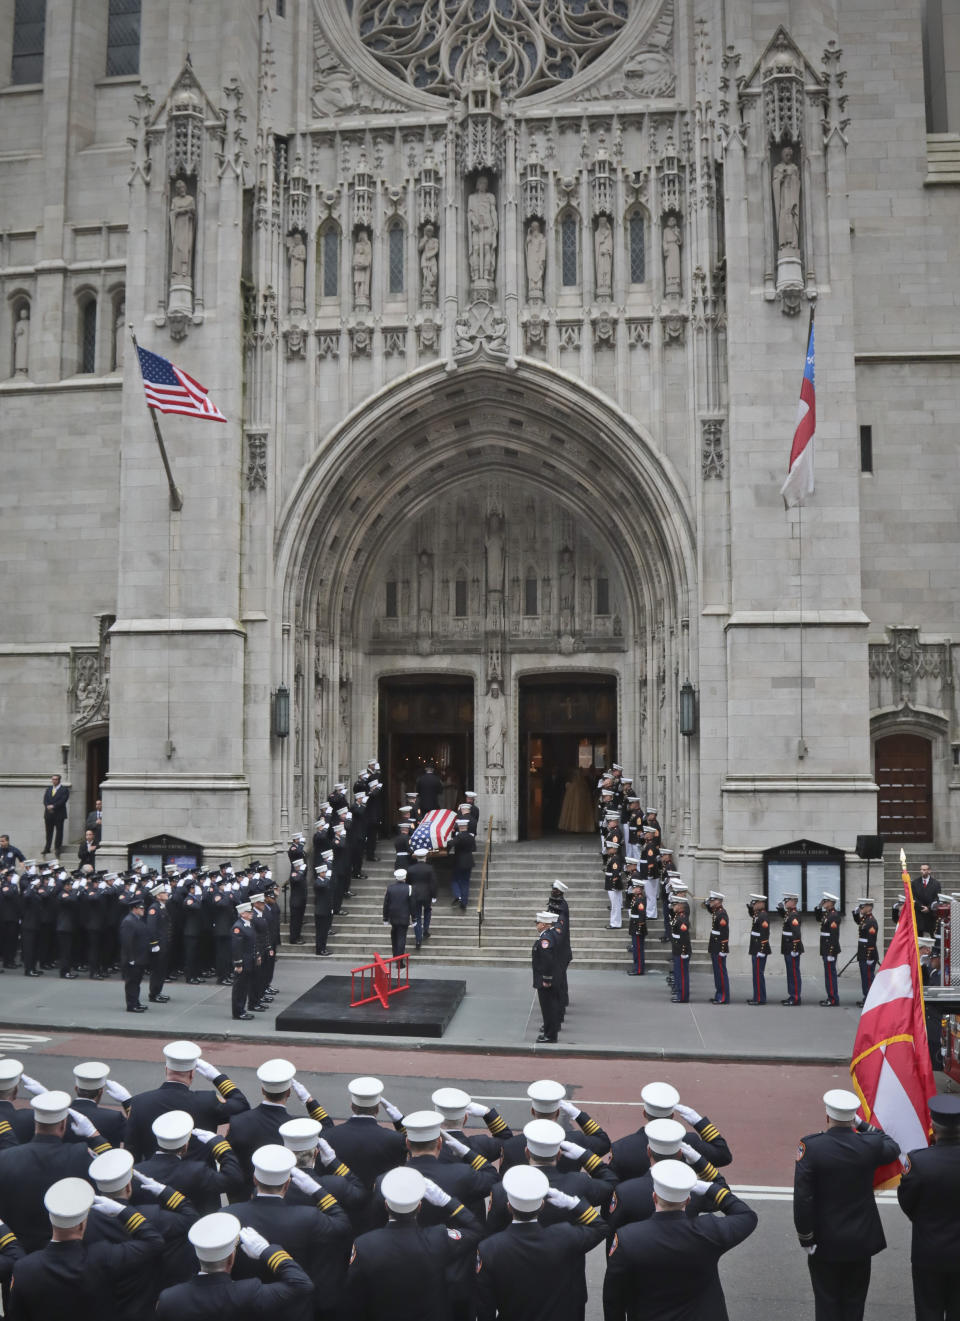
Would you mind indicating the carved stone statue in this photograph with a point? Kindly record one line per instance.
(494, 545)
(362, 263)
(119, 338)
(495, 731)
(429, 266)
(786, 202)
(297, 254)
(482, 226)
(603, 255)
(672, 244)
(183, 224)
(566, 580)
(425, 587)
(536, 261)
(21, 343)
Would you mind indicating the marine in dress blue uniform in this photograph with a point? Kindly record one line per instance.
(829, 919)
(791, 947)
(759, 947)
(718, 947)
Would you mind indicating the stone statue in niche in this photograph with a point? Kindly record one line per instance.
(494, 545)
(495, 730)
(482, 227)
(566, 580)
(672, 245)
(429, 266)
(119, 338)
(786, 202)
(536, 247)
(425, 588)
(362, 265)
(183, 224)
(21, 342)
(603, 257)
(297, 255)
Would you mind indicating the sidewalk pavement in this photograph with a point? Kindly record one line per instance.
(610, 1014)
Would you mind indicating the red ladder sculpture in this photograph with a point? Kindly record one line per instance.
(377, 981)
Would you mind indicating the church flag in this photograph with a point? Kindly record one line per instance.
(890, 1069)
(170, 390)
(799, 483)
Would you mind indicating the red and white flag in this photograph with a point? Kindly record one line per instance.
(890, 1069)
(799, 483)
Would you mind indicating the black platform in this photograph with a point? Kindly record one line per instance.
(422, 1011)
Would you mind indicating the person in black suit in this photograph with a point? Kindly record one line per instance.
(55, 798)
(360, 1142)
(87, 852)
(134, 952)
(834, 1210)
(94, 820)
(209, 1109)
(398, 911)
(422, 880)
(929, 1195)
(429, 788)
(926, 892)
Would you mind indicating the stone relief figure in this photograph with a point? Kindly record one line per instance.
(603, 257)
(495, 731)
(482, 227)
(425, 587)
(297, 255)
(429, 266)
(362, 263)
(494, 544)
(672, 244)
(21, 342)
(119, 338)
(566, 580)
(786, 202)
(536, 261)
(183, 224)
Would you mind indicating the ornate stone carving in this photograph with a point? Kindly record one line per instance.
(481, 325)
(337, 91)
(395, 342)
(482, 234)
(21, 342)
(494, 784)
(362, 265)
(835, 120)
(328, 344)
(534, 45)
(536, 260)
(906, 671)
(90, 680)
(674, 323)
(295, 341)
(361, 339)
(534, 188)
(429, 248)
(296, 245)
(604, 330)
(647, 71)
(183, 228)
(569, 334)
(495, 731)
(140, 142)
(256, 470)
(603, 257)
(782, 83)
(713, 459)
(534, 324)
(638, 331)
(672, 244)
(428, 329)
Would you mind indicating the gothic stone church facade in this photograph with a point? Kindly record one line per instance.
(506, 307)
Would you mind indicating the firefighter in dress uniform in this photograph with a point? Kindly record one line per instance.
(545, 963)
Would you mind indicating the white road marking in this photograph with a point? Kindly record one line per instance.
(17, 1041)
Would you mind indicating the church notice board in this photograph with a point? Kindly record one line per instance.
(805, 868)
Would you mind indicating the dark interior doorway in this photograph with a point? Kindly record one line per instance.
(98, 763)
(425, 718)
(568, 732)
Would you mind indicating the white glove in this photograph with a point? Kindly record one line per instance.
(809, 1248)
(454, 1144)
(117, 1091)
(689, 1154)
(572, 1150)
(435, 1195)
(476, 1109)
(206, 1070)
(107, 1206)
(702, 1186)
(563, 1200)
(147, 1184)
(688, 1113)
(327, 1154)
(392, 1111)
(31, 1085)
(81, 1125)
(253, 1244)
(203, 1135)
(302, 1180)
(568, 1108)
(300, 1091)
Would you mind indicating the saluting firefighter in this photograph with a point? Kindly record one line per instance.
(759, 946)
(867, 936)
(638, 927)
(545, 964)
(791, 946)
(558, 904)
(829, 919)
(718, 947)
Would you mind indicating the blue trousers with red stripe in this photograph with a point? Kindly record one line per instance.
(830, 978)
(759, 962)
(637, 943)
(867, 973)
(794, 981)
(681, 977)
(721, 981)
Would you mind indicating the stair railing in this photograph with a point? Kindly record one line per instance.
(481, 899)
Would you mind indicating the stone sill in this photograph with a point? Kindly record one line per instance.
(117, 80)
(759, 784)
(943, 159)
(160, 625)
(14, 386)
(21, 89)
(793, 618)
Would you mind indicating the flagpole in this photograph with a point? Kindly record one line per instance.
(801, 745)
(176, 495)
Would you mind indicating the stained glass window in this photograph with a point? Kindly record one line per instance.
(568, 251)
(638, 253)
(396, 237)
(29, 25)
(123, 38)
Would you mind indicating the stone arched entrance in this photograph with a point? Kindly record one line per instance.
(489, 522)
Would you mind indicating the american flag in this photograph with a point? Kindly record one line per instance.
(169, 390)
(799, 481)
(434, 830)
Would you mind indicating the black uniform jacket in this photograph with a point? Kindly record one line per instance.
(929, 1193)
(532, 1272)
(400, 1271)
(317, 1237)
(833, 1202)
(594, 1189)
(135, 1295)
(591, 1136)
(25, 1175)
(367, 1148)
(469, 1181)
(110, 1124)
(629, 1157)
(215, 1297)
(207, 1109)
(198, 1180)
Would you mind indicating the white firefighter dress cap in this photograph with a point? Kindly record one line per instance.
(181, 1056)
(366, 1091)
(559, 885)
(546, 1095)
(10, 1073)
(68, 1202)
(659, 1099)
(451, 1102)
(546, 917)
(841, 1104)
(215, 1236)
(300, 1134)
(525, 1187)
(272, 1164)
(543, 1137)
(399, 875)
(51, 1108)
(403, 1189)
(664, 1136)
(91, 1074)
(672, 1180)
(172, 1130)
(420, 853)
(111, 1171)
(276, 1074)
(423, 1125)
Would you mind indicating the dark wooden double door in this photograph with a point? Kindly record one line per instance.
(903, 768)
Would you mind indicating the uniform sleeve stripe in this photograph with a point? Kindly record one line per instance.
(721, 1194)
(134, 1222)
(318, 1113)
(225, 1086)
(590, 1126)
(497, 1125)
(104, 1146)
(174, 1200)
(278, 1259)
(327, 1201)
(592, 1162)
(459, 1209)
(221, 1148)
(7, 1240)
(478, 1162)
(588, 1216)
(5, 1127)
(342, 1169)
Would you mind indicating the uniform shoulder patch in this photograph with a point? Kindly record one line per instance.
(613, 1202)
(479, 1263)
(353, 1252)
(614, 1244)
(544, 944)
(455, 1235)
(907, 1164)
(801, 1150)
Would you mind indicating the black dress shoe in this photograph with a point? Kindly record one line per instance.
(68, 976)
(195, 981)
(756, 1002)
(792, 1003)
(97, 977)
(324, 953)
(632, 972)
(33, 973)
(159, 999)
(543, 1037)
(243, 1017)
(829, 1004)
(859, 1004)
(297, 942)
(137, 1009)
(258, 1009)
